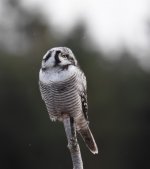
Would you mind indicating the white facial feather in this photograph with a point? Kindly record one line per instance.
(57, 75)
(50, 62)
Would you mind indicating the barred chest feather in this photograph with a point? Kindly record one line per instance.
(62, 97)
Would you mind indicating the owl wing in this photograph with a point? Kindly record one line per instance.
(83, 93)
(84, 104)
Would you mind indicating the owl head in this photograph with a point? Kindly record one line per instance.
(58, 57)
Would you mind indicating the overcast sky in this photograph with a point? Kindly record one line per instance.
(110, 23)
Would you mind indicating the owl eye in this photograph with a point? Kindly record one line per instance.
(64, 55)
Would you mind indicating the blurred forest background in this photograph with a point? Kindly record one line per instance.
(118, 95)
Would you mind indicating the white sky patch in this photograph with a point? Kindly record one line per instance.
(110, 23)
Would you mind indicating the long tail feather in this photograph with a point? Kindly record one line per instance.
(89, 139)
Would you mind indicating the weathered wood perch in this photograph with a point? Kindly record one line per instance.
(73, 145)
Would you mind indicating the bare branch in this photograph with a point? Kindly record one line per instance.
(73, 145)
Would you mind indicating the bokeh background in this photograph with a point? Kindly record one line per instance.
(111, 41)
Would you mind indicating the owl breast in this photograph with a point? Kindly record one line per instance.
(62, 98)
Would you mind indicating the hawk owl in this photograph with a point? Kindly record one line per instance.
(63, 88)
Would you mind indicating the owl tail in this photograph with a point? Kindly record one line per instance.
(89, 139)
